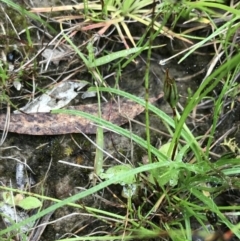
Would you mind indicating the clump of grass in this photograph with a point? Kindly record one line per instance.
(172, 205)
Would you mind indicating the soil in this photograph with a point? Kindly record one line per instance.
(58, 180)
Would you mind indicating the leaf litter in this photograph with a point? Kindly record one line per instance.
(57, 124)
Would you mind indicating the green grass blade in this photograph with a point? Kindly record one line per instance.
(112, 56)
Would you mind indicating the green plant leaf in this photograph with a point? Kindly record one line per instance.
(30, 203)
(165, 175)
(117, 170)
(168, 174)
(7, 198)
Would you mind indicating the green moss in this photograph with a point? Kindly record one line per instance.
(54, 149)
(18, 21)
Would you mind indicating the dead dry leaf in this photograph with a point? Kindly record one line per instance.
(56, 124)
(54, 99)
